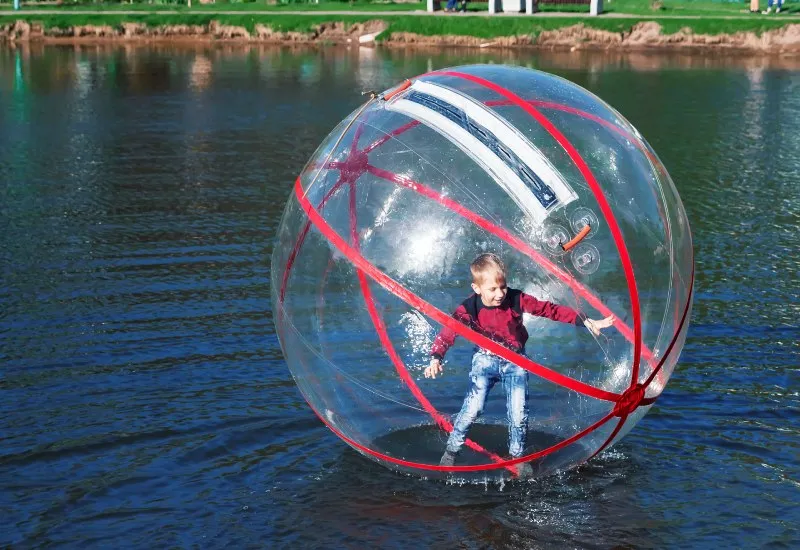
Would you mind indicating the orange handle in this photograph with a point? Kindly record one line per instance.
(578, 238)
(400, 88)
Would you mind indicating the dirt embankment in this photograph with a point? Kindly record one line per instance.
(334, 32)
(642, 36)
(645, 35)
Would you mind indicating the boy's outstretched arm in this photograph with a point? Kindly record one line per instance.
(596, 325)
(564, 314)
(549, 310)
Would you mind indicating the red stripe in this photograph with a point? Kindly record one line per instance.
(677, 332)
(614, 433)
(565, 108)
(357, 136)
(296, 250)
(387, 137)
(334, 165)
(596, 190)
(301, 239)
(583, 114)
(436, 314)
(650, 400)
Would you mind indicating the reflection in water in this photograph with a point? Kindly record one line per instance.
(145, 398)
(153, 65)
(201, 72)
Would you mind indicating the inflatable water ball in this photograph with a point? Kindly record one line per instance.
(372, 258)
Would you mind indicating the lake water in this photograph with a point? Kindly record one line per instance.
(144, 398)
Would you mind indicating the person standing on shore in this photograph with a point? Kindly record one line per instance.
(777, 8)
(451, 6)
(754, 7)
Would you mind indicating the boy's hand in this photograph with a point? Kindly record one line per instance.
(595, 326)
(433, 369)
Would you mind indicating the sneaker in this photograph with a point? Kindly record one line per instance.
(448, 459)
(766, 11)
(777, 10)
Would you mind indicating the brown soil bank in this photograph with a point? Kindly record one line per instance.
(642, 36)
(333, 32)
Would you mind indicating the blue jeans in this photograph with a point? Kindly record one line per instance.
(779, 2)
(487, 370)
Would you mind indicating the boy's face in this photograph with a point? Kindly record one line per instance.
(491, 288)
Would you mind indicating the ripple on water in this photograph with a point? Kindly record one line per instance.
(145, 399)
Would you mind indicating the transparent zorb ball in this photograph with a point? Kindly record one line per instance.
(372, 257)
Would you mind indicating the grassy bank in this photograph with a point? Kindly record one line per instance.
(513, 26)
(359, 5)
(427, 26)
(244, 7)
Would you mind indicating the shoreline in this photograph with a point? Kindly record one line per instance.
(634, 35)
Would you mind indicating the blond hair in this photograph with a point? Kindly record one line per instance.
(484, 263)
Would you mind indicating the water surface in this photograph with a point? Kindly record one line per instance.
(145, 401)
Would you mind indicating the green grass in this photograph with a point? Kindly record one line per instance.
(722, 26)
(707, 8)
(689, 7)
(493, 27)
(516, 26)
(359, 5)
(429, 26)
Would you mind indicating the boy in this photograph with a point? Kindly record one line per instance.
(496, 312)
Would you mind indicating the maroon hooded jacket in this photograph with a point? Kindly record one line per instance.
(503, 323)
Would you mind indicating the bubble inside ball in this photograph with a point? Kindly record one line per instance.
(372, 257)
